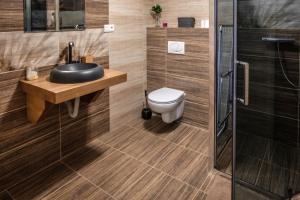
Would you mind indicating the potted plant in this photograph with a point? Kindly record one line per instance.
(156, 14)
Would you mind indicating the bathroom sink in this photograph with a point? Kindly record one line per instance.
(76, 73)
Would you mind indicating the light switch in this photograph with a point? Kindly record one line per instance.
(175, 47)
(109, 28)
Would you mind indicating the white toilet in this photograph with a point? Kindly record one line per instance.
(167, 102)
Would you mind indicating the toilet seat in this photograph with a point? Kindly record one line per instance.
(166, 96)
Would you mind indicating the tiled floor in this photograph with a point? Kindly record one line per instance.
(140, 161)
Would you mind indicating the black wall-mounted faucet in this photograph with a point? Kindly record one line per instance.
(70, 52)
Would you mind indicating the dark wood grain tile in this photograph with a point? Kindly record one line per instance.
(17, 130)
(250, 42)
(81, 132)
(267, 70)
(247, 168)
(273, 100)
(44, 183)
(96, 13)
(269, 126)
(21, 162)
(5, 196)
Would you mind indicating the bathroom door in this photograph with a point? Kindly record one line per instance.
(266, 100)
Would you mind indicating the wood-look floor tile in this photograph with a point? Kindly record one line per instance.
(100, 195)
(179, 134)
(93, 152)
(220, 189)
(148, 148)
(114, 172)
(176, 190)
(79, 189)
(120, 137)
(186, 165)
(145, 188)
(5, 196)
(200, 196)
(44, 183)
(198, 140)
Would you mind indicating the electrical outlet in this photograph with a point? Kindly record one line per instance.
(109, 28)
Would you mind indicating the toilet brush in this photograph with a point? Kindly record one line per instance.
(146, 112)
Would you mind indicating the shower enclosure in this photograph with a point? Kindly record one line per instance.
(261, 97)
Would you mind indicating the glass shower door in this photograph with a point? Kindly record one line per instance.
(266, 125)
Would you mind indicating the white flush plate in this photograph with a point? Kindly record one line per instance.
(175, 47)
(109, 28)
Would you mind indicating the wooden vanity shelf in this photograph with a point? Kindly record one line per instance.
(41, 91)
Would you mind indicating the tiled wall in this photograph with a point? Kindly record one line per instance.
(172, 9)
(269, 14)
(128, 54)
(274, 103)
(26, 148)
(187, 72)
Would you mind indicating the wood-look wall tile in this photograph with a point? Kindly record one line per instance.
(267, 71)
(196, 114)
(194, 63)
(251, 43)
(11, 15)
(157, 39)
(155, 80)
(89, 105)
(276, 101)
(19, 163)
(17, 130)
(79, 133)
(96, 13)
(11, 95)
(156, 60)
(197, 90)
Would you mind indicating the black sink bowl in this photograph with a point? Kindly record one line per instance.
(76, 73)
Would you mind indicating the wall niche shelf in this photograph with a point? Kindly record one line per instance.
(41, 92)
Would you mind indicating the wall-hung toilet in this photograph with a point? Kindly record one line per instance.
(167, 102)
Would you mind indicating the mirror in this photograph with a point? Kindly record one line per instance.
(54, 15)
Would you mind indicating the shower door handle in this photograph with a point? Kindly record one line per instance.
(245, 100)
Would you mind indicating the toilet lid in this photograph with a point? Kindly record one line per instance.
(166, 95)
